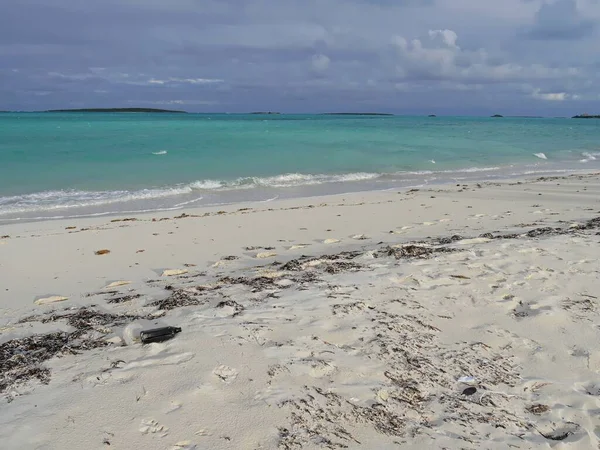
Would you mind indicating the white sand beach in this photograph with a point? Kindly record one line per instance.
(459, 316)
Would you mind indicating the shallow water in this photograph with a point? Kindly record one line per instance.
(74, 164)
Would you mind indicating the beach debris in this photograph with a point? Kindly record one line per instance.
(104, 251)
(123, 298)
(184, 445)
(127, 219)
(173, 272)
(115, 340)
(70, 228)
(560, 433)
(298, 246)
(341, 266)
(235, 306)
(140, 250)
(537, 408)
(450, 240)
(258, 247)
(469, 391)
(467, 380)
(51, 299)
(178, 299)
(360, 237)
(460, 277)
(21, 359)
(115, 284)
(264, 255)
(413, 251)
(159, 334)
(331, 241)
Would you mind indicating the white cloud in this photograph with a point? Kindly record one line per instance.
(185, 80)
(439, 57)
(320, 63)
(553, 96)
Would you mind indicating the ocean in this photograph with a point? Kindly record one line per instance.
(56, 165)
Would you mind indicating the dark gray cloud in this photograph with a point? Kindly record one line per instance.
(298, 55)
(561, 20)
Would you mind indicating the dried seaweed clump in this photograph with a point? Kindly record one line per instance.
(413, 251)
(84, 319)
(21, 359)
(178, 299)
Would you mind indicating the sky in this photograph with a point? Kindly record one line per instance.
(528, 57)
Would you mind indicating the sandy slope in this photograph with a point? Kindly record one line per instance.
(457, 317)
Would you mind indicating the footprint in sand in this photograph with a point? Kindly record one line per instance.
(151, 426)
(322, 369)
(174, 359)
(225, 373)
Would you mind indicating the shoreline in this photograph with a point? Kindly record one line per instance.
(306, 191)
(426, 318)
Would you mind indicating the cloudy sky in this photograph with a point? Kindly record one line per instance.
(403, 56)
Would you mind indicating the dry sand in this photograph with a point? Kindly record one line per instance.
(464, 316)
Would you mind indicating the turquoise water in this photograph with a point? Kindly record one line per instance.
(71, 164)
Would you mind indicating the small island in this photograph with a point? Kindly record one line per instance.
(586, 116)
(355, 114)
(431, 115)
(109, 110)
(497, 115)
(266, 113)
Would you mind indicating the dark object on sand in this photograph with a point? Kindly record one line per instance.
(159, 334)
(469, 391)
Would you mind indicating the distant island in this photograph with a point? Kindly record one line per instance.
(497, 115)
(128, 110)
(265, 113)
(586, 116)
(355, 114)
(431, 115)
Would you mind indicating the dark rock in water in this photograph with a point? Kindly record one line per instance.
(497, 115)
(431, 115)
